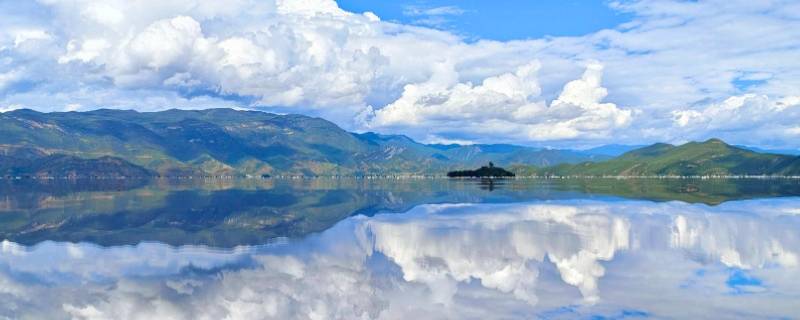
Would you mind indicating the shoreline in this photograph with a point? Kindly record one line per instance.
(408, 177)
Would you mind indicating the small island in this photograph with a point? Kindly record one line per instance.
(484, 172)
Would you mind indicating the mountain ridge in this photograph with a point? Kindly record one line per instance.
(240, 143)
(227, 142)
(712, 157)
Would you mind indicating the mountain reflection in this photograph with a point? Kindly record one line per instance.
(223, 213)
(548, 258)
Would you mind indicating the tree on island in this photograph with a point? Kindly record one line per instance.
(484, 172)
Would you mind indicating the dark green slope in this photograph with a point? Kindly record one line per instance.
(31, 162)
(64, 166)
(231, 142)
(217, 141)
(712, 157)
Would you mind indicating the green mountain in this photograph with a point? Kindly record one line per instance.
(59, 165)
(123, 143)
(712, 157)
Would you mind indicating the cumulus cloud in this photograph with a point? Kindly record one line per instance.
(313, 57)
(288, 53)
(299, 56)
(509, 105)
(749, 118)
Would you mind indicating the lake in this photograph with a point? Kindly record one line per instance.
(401, 249)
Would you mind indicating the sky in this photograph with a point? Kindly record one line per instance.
(540, 73)
(501, 20)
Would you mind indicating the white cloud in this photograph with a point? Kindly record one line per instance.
(435, 17)
(508, 105)
(432, 11)
(288, 53)
(7, 78)
(104, 13)
(319, 59)
(84, 51)
(22, 36)
(12, 107)
(165, 42)
(309, 7)
(750, 118)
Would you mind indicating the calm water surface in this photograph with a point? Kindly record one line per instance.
(388, 249)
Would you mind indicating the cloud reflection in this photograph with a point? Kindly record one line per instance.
(549, 259)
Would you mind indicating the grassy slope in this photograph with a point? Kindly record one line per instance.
(712, 157)
(217, 140)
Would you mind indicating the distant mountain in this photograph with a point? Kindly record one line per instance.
(791, 152)
(230, 142)
(611, 150)
(712, 157)
(476, 154)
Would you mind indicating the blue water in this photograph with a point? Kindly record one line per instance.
(422, 250)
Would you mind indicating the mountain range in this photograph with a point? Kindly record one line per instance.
(227, 142)
(708, 158)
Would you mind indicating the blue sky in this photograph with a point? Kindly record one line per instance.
(498, 20)
(541, 73)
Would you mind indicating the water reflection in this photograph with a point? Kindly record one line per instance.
(545, 258)
(227, 213)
